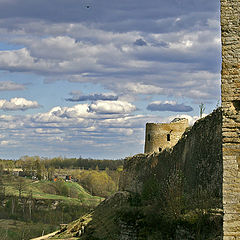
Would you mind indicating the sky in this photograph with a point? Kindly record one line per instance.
(83, 77)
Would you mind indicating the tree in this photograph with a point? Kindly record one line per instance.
(50, 172)
(2, 189)
(201, 109)
(40, 169)
(30, 204)
(20, 187)
(1, 169)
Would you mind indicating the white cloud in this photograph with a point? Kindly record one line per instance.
(6, 118)
(10, 86)
(17, 104)
(181, 58)
(48, 131)
(64, 114)
(77, 52)
(2, 136)
(112, 107)
(125, 131)
(7, 142)
(4, 142)
(84, 115)
(141, 88)
(191, 119)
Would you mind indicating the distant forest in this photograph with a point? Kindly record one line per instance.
(59, 162)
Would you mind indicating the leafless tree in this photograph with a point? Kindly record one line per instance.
(201, 109)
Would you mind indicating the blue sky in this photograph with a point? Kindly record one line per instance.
(82, 78)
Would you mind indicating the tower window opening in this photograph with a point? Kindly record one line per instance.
(148, 137)
(168, 137)
(236, 105)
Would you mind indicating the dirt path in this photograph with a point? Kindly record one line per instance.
(45, 236)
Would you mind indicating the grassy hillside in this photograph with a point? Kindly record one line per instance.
(30, 208)
(69, 192)
(13, 229)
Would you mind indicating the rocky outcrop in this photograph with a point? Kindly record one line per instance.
(102, 222)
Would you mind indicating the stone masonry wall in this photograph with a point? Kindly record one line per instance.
(230, 25)
(156, 138)
(197, 155)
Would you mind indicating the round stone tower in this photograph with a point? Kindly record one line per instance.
(164, 135)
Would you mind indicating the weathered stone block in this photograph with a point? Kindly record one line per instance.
(229, 237)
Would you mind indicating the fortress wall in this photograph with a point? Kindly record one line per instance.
(156, 135)
(197, 155)
(230, 22)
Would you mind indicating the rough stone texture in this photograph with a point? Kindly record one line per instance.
(230, 22)
(128, 232)
(197, 155)
(163, 135)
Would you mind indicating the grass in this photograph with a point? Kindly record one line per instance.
(72, 203)
(45, 190)
(18, 230)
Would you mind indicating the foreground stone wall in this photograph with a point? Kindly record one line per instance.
(230, 22)
(197, 155)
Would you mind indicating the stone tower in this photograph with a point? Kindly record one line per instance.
(164, 135)
(230, 24)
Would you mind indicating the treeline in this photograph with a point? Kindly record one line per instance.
(84, 163)
(98, 177)
(59, 162)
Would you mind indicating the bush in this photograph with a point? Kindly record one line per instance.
(98, 183)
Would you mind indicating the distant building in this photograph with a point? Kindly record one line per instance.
(68, 178)
(164, 135)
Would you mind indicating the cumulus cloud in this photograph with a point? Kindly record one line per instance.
(10, 86)
(84, 114)
(141, 88)
(92, 97)
(167, 48)
(65, 129)
(4, 142)
(48, 131)
(125, 131)
(171, 106)
(89, 53)
(60, 114)
(191, 119)
(112, 107)
(15, 104)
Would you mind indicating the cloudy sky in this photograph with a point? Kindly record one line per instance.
(82, 77)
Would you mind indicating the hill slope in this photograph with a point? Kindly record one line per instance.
(31, 208)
